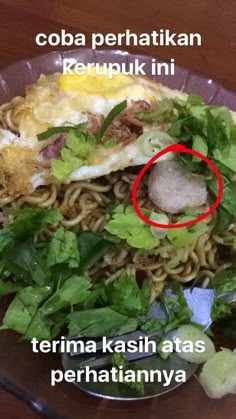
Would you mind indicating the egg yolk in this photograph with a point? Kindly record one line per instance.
(93, 83)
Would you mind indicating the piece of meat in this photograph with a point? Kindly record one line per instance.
(129, 115)
(120, 132)
(173, 188)
(94, 122)
(125, 128)
(52, 148)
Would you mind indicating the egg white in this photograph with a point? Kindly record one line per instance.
(125, 157)
(8, 138)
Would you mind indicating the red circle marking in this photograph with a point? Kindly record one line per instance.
(181, 149)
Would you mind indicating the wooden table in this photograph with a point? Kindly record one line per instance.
(215, 20)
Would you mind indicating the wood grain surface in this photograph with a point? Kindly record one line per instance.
(215, 20)
(11, 408)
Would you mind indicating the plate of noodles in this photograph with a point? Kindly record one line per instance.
(75, 259)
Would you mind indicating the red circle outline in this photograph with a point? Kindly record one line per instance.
(181, 149)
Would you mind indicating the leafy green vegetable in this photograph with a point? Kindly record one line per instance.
(58, 130)
(119, 360)
(100, 322)
(61, 169)
(126, 225)
(7, 287)
(110, 117)
(63, 248)
(93, 247)
(57, 321)
(123, 303)
(153, 325)
(7, 238)
(79, 146)
(25, 261)
(223, 220)
(127, 298)
(108, 143)
(228, 158)
(194, 100)
(209, 130)
(218, 128)
(182, 237)
(220, 310)
(22, 313)
(164, 111)
(74, 291)
(39, 328)
(223, 283)
(229, 193)
(47, 282)
(200, 145)
(177, 308)
(27, 222)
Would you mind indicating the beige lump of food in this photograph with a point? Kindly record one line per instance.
(172, 188)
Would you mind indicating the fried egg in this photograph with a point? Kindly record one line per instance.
(58, 99)
(61, 100)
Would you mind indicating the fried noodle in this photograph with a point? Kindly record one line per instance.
(86, 205)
